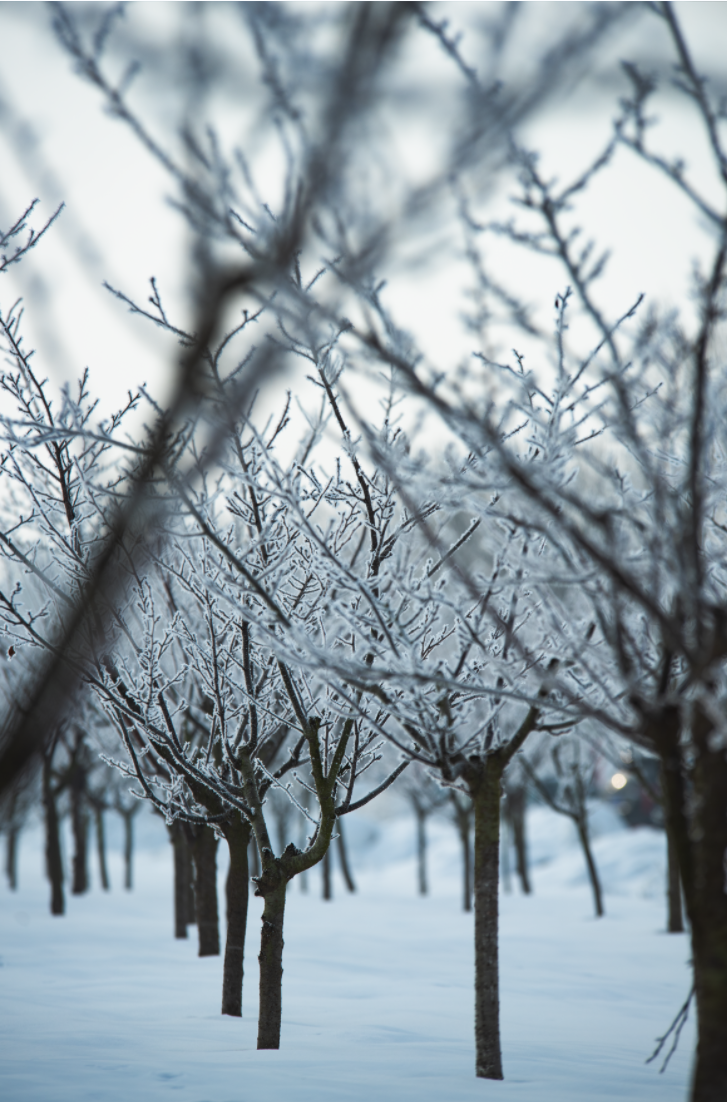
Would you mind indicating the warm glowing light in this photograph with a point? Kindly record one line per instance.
(619, 780)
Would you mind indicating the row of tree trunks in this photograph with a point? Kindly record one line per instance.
(54, 863)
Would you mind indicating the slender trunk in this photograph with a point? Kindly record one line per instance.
(53, 859)
(463, 827)
(505, 842)
(675, 918)
(271, 969)
(326, 873)
(484, 783)
(181, 885)
(303, 840)
(237, 836)
(204, 853)
(343, 857)
(101, 848)
(189, 903)
(128, 817)
(79, 825)
(516, 801)
(11, 857)
(582, 827)
(422, 851)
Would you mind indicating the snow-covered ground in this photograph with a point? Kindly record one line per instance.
(104, 1005)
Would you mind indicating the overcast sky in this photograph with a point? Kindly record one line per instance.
(57, 144)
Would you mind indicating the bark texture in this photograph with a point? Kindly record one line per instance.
(674, 912)
(237, 836)
(189, 897)
(271, 969)
(484, 784)
(204, 853)
(708, 917)
(696, 819)
(181, 878)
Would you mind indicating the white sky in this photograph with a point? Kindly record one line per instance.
(117, 225)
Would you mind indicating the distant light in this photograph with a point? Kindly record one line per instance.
(619, 780)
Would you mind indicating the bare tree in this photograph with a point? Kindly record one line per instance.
(573, 768)
(616, 463)
(425, 797)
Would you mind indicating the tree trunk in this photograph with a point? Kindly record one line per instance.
(505, 842)
(11, 857)
(79, 826)
(582, 828)
(463, 820)
(695, 797)
(707, 912)
(254, 860)
(181, 882)
(53, 859)
(343, 857)
(303, 838)
(422, 851)
(326, 873)
(271, 969)
(128, 817)
(484, 783)
(516, 805)
(237, 836)
(204, 852)
(466, 867)
(101, 848)
(189, 903)
(675, 918)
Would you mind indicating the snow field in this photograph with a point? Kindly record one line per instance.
(103, 1005)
